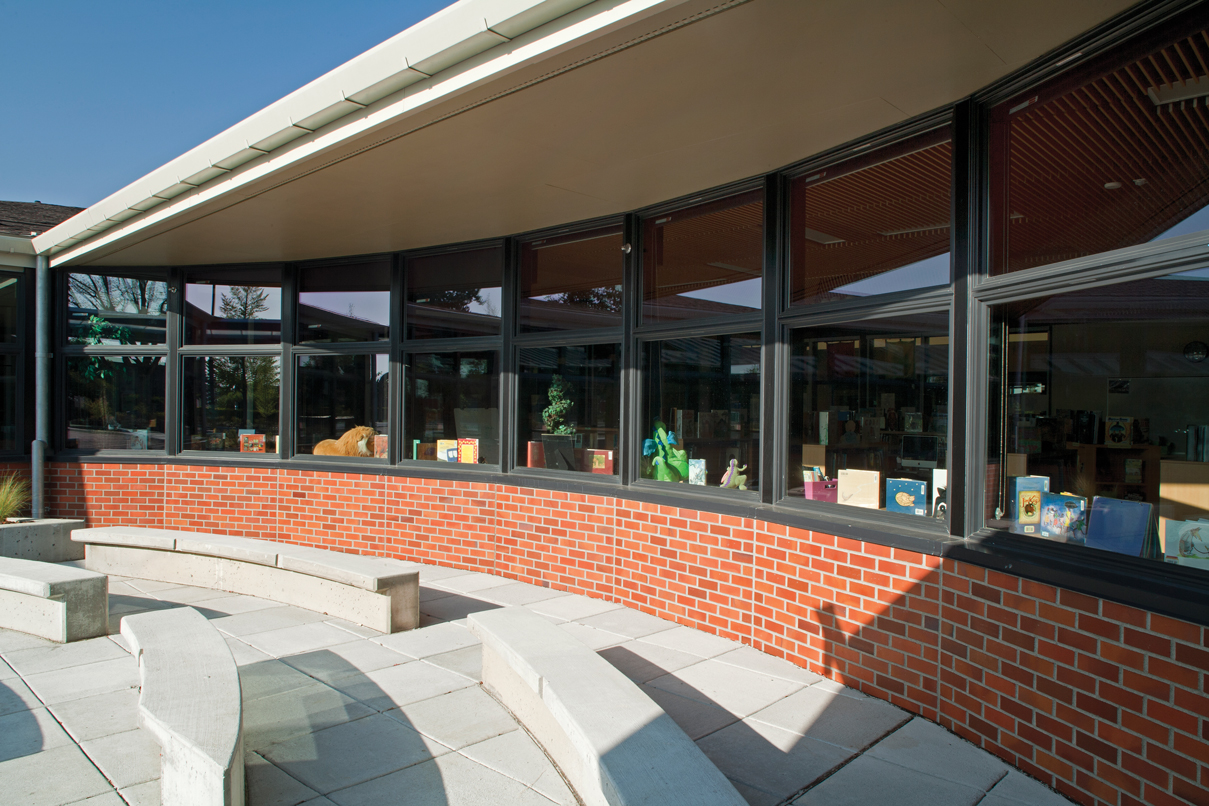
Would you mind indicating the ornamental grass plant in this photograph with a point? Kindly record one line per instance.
(14, 496)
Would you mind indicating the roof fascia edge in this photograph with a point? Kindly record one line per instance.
(138, 206)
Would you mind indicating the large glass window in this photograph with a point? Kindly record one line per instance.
(873, 225)
(451, 407)
(868, 414)
(112, 310)
(701, 407)
(230, 403)
(115, 402)
(704, 261)
(568, 408)
(1100, 428)
(239, 306)
(455, 294)
(8, 403)
(347, 302)
(342, 405)
(1112, 158)
(12, 345)
(571, 282)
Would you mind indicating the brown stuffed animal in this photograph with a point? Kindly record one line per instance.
(357, 441)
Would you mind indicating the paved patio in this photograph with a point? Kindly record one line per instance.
(338, 714)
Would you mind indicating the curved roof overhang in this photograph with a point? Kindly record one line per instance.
(500, 116)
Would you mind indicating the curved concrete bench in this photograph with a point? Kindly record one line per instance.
(614, 744)
(55, 602)
(378, 593)
(190, 702)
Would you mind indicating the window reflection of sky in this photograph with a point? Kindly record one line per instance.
(368, 306)
(209, 298)
(747, 293)
(925, 273)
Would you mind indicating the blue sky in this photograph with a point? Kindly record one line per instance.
(97, 94)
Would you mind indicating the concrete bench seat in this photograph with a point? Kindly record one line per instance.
(189, 701)
(375, 592)
(56, 602)
(614, 744)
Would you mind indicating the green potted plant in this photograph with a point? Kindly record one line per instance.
(558, 441)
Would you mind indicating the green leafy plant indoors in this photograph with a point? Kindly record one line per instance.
(14, 496)
(554, 415)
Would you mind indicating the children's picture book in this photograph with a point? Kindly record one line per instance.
(1133, 471)
(468, 451)
(696, 471)
(1064, 517)
(1025, 519)
(600, 461)
(1085, 426)
(1192, 544)
(909, 496)
(940, 482)
(859, 488)
(251, 443)
(913, 422)
(447, 450)
(423, 451)
(1118, 432)
(381, 445)
(1119, 526)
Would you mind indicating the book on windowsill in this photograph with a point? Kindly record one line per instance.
(251, 443)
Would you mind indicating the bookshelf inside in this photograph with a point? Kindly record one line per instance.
(1114, 472)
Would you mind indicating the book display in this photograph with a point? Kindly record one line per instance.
(907, 496)
(859, 488)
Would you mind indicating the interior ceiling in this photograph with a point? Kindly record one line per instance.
(734, 95)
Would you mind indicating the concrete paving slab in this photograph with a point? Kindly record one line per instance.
(77, 682)
(99, 715)
(11, 641)
(127, 605)
(147, 794)
(243, 653)
(771, 760)
(121, 586)
(384, 689)
(457, 719)
(752, 659)
(928, 748)
(630, 623)
(269, 678)
(591, 637)
(694, 642)
(756, 797)
(63, 656)
(468, 582)
(298, 639)
(54, 777)
(6, 671)
(269, 720)
(828, 717)
(110, 798)
(427, 641)
(187, 594)
(453, 608)
(1016, 788)
(15, 697)
(342, 660)
(24, 733)
(467, 662)
(450, 780)
(429, 621)
(642, 662)
(575, 606)
(513, 754)
(356, 630)
(840, 689)
(150, 585)
(870, 780)
(126, 758)
(232, 604)
(352, 753)
(120, 641)
(694, 717)
(429, 593)
(268, 785)
(275, 618)
(739, 691)
(520, 593)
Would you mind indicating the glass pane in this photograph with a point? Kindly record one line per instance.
(868, 414)
(344, 302)
(239, 307)
(1103, 161)
(572, 281)
(701, 399)
(875, 225)
(568, 408)
(704, 261)
(342, 405)
(451, 407)
(230, 403)
(115, 403)
(455, 294)
(8, 403)
(116, 310)
(1103, 439)
(8, 309)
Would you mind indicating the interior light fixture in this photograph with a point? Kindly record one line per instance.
(1112, 185)
(820, 237)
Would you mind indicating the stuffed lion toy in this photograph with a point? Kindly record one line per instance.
(357, 441)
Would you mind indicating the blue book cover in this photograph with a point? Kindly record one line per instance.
(907, 495)
(1024, 503)
(1064, 517)
(1120, 526)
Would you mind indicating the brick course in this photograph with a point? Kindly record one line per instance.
(1106, 703)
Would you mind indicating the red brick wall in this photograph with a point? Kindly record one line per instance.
(1108, 704)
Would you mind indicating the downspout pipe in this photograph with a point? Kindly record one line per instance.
(42, 358)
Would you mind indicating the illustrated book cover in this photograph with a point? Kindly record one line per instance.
(1064, 517)
(909, 496)
(859, 488)
(251, 443)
